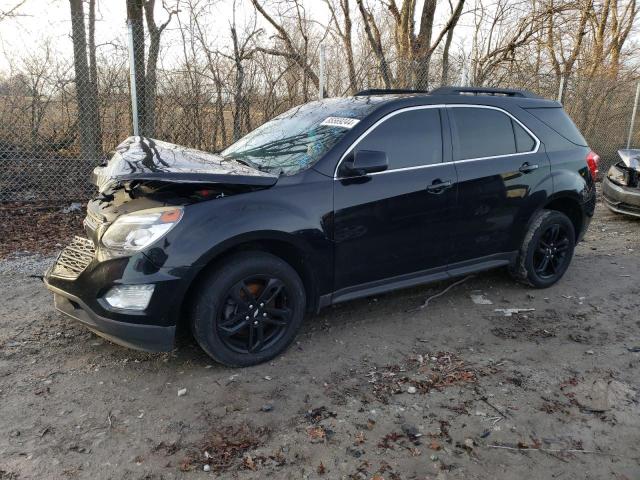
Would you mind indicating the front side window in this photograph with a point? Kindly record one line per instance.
(485, 132)
(410, 139)
(298, 138)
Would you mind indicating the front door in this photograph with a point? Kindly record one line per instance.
(503, 177)
(395, 223)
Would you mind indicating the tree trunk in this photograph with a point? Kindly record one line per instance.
(348, 44)
(238, 95)
(373, 35)
(88, 116)
(150, 81)
(151, 75)
(444, 80)
(93, 67)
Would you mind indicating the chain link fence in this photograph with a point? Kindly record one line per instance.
(60, 118)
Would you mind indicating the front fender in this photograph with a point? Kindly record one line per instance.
(296, 212)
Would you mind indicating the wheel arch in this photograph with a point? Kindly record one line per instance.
(569, 205)
(284, 246)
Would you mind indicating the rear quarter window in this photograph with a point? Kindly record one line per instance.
(556, 119)
(480, 132)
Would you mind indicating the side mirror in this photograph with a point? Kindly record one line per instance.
(363, 162)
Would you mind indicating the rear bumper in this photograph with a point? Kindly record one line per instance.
(151, 338)
(625, 200)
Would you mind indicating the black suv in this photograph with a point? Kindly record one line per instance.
(330, 201)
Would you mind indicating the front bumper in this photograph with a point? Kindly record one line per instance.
(152, 338)
(625, 200)
(81, 298)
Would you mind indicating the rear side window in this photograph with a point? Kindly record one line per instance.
(524, 141)
(558, 120)
(485, 132)
(410, 139)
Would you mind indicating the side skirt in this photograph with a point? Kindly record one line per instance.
(418, 278)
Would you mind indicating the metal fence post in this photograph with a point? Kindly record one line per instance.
(633, 116)
(132, 81)
(322, 76)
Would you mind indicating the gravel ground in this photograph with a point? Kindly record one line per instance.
(373, 389)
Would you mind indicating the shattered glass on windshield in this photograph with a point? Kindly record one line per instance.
(298, 138)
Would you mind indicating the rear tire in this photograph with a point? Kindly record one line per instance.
(248, 309)
(546, 251)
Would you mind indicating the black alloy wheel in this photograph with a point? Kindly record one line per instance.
(550, 255)
(546, 250)
(255, 314)
(248, 308)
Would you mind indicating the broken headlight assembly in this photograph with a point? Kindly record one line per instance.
(134, 231)
(618, 176)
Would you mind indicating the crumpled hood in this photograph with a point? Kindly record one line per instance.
(140, 158)
(631, 158)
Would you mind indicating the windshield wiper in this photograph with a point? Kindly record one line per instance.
(246, 163)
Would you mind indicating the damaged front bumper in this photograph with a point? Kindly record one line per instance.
(621, 186)
(80, 281)
(152, 338)
(621, 199)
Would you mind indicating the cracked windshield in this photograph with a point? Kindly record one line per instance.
(296, 139)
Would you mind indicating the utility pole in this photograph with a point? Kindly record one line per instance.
(633, 116)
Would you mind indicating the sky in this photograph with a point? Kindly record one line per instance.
(50, 19)
(40, 20)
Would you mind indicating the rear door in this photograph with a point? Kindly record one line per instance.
(394, 223)
(503, 177)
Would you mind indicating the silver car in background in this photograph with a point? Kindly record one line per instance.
(621, 186)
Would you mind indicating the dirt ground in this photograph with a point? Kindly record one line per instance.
(373, 389)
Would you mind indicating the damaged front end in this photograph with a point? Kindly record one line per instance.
(114, 281)
(621, 186)
(145, 174)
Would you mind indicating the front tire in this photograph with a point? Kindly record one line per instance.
(248, 309)
(546, 251)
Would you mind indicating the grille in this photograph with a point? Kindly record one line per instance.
(74, 258)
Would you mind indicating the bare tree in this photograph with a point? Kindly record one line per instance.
(344, 31)
(455, 15)
(12, 10)
(288, 49)
(375, 41)
(88, 115)
(611, 24)
(502, 31)
(146, 74)
(417, 47)
(241, 52)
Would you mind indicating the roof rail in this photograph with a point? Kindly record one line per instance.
(387, 91)
(498, 92)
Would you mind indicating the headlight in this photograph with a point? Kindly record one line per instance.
(135, 231)
(616, 175)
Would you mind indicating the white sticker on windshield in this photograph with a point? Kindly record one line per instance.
(343, 122)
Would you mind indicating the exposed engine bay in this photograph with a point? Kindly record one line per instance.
(145, 173)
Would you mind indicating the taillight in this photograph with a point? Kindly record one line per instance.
(593, 159)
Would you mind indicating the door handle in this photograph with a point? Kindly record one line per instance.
(439, 186)
(526, 167)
